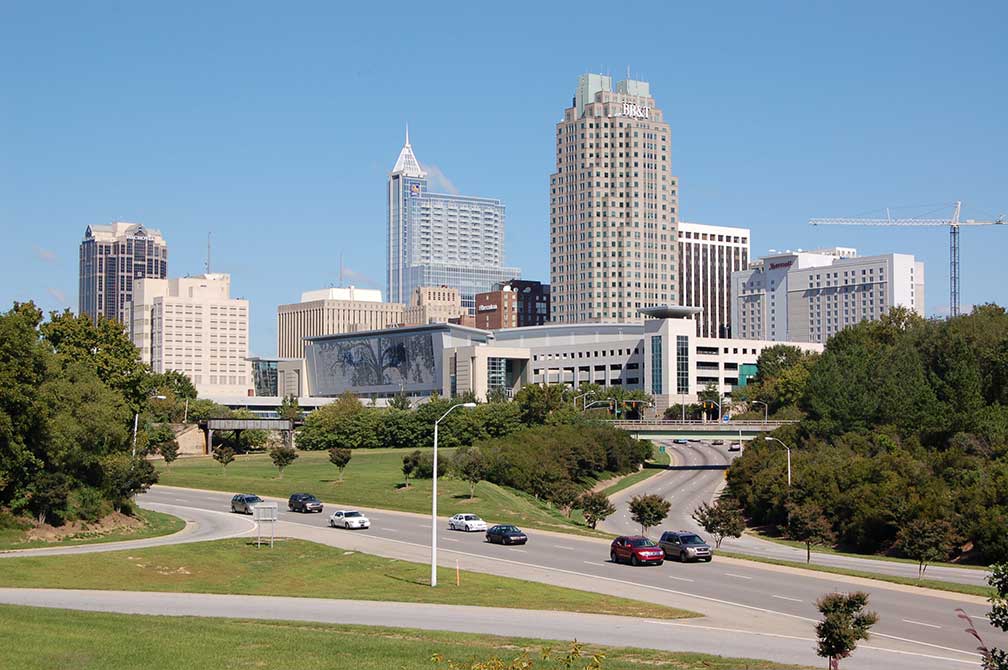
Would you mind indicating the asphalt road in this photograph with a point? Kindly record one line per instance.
(696, 475)
(604, 630)
(748, 595)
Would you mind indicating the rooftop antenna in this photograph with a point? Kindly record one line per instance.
(627, 71)
(341, 255)
(208, 253)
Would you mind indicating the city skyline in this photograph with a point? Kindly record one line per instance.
(762, 139)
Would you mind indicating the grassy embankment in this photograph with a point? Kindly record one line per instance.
(48, 638)
(300, 568)
(155, 524)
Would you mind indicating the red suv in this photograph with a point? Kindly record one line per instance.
(636, 549)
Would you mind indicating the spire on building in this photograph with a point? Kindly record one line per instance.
(407, 164)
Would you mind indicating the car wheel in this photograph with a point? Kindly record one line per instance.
(661, 562)
(332, 524)
(612, 557)
(633, 560)
(682, 557)
(708, 559)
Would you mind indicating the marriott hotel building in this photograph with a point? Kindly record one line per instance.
(613, 243)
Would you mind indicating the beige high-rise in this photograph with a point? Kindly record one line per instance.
(613, 247)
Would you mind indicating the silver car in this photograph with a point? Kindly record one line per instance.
(349, 519)
(466, 522)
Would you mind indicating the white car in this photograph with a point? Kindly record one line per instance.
(466, 522)
(348, 518)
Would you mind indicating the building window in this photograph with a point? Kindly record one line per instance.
(656, 365)
(682, 364)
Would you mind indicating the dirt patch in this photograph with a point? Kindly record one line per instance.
(112, 523)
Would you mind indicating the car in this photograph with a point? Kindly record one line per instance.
(718, 443)
(680, 440)
(506, 534)
(636, 550)
(685, 545)
(349, 519)
(242, 503)
(304, 502)
(735, 446)
(466, 522)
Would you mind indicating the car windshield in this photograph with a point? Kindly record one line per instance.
(508, 529)
(352, 514)
(470, 517)
(253, 499)
(310, 499)
(642, 542)
(692, 539)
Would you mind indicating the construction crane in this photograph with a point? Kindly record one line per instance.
(953, 224)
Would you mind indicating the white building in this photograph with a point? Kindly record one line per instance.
(808, 296)
(708, 255)
(193, 325)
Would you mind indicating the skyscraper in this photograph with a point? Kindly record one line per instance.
(707, 257)
(441, 239)
(111, 258)
(613, 247)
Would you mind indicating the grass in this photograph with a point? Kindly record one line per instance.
(40, 638)
(300, 568)
(657, 463)
(155, 524)
(952, 587)
(372, 479)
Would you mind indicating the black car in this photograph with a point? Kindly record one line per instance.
(243, 503)
(685, 546)
(506, 534)
(304, 502)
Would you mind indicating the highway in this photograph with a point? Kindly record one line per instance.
(696, 475)
(735, 595)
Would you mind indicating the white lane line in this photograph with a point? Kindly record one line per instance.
(391, 530)
(523, 551)
(560, 546)
(180, 500)
(732, 574)
(681, 579)
(449, 539)
(921, 623)
(794, 600)
(589, 563)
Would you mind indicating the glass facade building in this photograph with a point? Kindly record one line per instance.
(111, 258)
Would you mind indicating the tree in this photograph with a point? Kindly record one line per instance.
(289, 408)
(845, 623)
(410, 462)
(925, 541)
(564, 495)
(400, 401)
(808, 524)
(282, 457)
(158, 436)
(538, 401)
(340, 457)
(471, 466)
(123, 476)
(169, 451)
(595, 507)
(649, 510)
(47, 496)
(721, 520)
(997, 659)
(224, 456)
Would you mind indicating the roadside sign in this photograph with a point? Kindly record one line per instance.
(726, 418)
(661, 449)
(265, 512)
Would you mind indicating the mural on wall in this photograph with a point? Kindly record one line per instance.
(394, 361)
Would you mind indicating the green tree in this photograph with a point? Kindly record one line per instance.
(721, 519)
(470, 465)
(340, 457)
(289, 408)
(996, 659)
(595, 507)
(124, 476)
(157, 436)
(47, 497)
(845, 623)
(649, 510)
(925, 541)
(401, 401)
(169, 451)
(225, 456)
(808, 524)
(282, 457)
(537, 401)
(410, 462)
(565, 495)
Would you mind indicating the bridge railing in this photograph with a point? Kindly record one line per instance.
(709, 425)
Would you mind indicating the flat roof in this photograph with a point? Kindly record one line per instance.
(406, 329)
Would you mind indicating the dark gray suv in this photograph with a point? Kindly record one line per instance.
(685, 545)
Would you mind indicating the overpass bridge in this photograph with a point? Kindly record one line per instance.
(698, 430)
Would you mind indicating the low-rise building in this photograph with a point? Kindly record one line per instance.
(514, 304)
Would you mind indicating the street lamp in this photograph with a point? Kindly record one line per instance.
(136, 420)
(434, 527)
(596, 402)
(766, 408)
(774, 439)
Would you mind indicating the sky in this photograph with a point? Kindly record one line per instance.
(272, 128)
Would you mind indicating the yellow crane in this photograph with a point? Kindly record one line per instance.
(953, 224)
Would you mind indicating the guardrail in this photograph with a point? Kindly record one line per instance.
(701, 425)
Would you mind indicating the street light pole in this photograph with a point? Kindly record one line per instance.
(766, 409)
(583, 395)
(434, 528)
(788, 449)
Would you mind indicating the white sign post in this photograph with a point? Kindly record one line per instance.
(265, 512)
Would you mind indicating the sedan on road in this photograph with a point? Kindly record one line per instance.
(466, 522)
(685, 546)
(636, 550)
(304, 502)
(506, 534)
(680, 440)
(242, 503)
(349, 519)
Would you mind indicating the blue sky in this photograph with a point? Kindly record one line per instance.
(274, 128)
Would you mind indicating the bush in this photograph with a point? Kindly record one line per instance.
(89, 504)
(425, 466)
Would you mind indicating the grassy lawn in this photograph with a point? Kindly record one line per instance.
(655, 464)
(40, 638)
(952, 587)
(156, 524)
(299, 568)
(372, 479)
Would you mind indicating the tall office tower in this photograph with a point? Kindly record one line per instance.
(440, 239)
(808, 296)
(111, 258)
(193, 325)
(612, 205)
(708, 255)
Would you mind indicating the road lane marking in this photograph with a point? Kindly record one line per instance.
(585, 562)
(921, 623)
(450, 539)
(794, 600)
(560, 546)
(681, 579)
(732, 574)
(523, 551)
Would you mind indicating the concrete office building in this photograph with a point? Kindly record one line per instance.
(613, 211)
(278, 377)
(810, 296)
(708, 255)
(440, 239)
(112, 258)
(434, 304)
(193, 325)
(515, 304)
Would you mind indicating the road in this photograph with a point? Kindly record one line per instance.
(564, 626)
(733, 594)
(695, 476)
